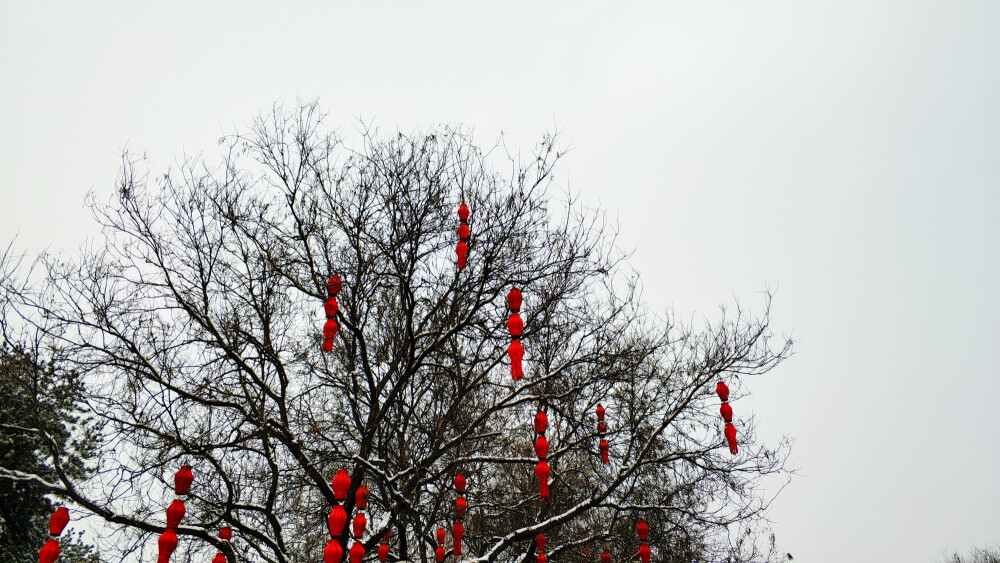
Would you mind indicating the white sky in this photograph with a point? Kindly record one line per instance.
(847, 153)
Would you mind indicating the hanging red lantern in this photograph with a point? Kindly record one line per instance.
(516, 353)
(642, 529)
(722, 390)
(337, 520)
(515, 326)
(383, 552)
(330, 308)
(457, 531)
(439, 554)
(341, 484)
(542, 447)
(541, 422)
(49, 552)
(462, 252)
(644, 553)
(361, 497)
(175, 513)
(226, 533)
(333, 285)
(219, 558)
(514, 300)
(357, 552)
(441, 536)
(731, 438)
(540, 541)
(182, 480)
(167, 544)
(58, 521)
(359, 524)
(605, 557)
(604, 452)
(462, 249)
(460, 507)
(542, 472)
(460, 483)
(727, 412)
(333, 553)
(542, 558)
(600, 412)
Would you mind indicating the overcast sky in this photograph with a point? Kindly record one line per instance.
(845, 153)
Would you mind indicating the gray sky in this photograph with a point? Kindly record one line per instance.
(846, 153)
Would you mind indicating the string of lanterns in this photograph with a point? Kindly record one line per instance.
(225, 534)
(602, 430)
(643, 530)
(337, 520)
(462, 249)
(439, 552)
(542, 471)
(515, 325)
(175, 513)
(57, 523)
(458, 529)
(727, 415)
(540, 543)
(330, 308)
(357, 551)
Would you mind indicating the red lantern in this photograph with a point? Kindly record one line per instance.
(727, 412)
(463, 212)
(722, 390)
(182, 480)
(541, 422)
(462, 249)
(357, 552)
(167, 544)
(540, 541)
(333, 285)
(58, 521)
(542, 558)
(463, 231)
(329, 333)
(515, 325)
(604, 452)
(341, 484)
(383, 552)
(359, 524)
(361, 497)
(175, 513)
(219, 558)
(226, 533)
(330, 307)
(440, 535)
(542, 472)
(516, 353)
(460, 507)
(600, 412)
(605, 557)
(333, 553)
(542, 447)
(643, 530)
(439, 554)
(460, 483)
(337, 520)
(514, 300)
(644, 553)
(462, 252)
(731, 438)
(457, 531)
(49, 552)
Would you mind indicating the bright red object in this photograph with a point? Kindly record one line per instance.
(542, 447)
(605, 557)
(361, 497)
(515, 325)
(462, 252)
(541, 422)
(457, 531)
(727, 412)
(540, 541)
(516, 353)
(219, 558)
(439, 554)
(333, 285)
(226, 533)
(359, 524)
(357, 552)
(644, 553)
(731, 438)
(604, 452)
(175, 513)
(463, 212)
(642, 529)
(722, 390)
(49, 552)
(542, 472)
(460, 507)
(441, 536)
(167, 544)
(600, 412)
(58, 521)
(333, 553)
(337, 520)
(514, 300)
(463, 231)
(182, 480)
(542, 558)
(460, 483)
(341, 484)
(383, 552)
(331, 307)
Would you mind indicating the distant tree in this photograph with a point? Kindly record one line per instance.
(196, 325)
(975, 555)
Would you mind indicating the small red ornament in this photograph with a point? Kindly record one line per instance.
(642, 529)
(167, 544)
(542, 472)
(514, 300)
(722, 390)
(441, 536)
(226, 533)
(542, 447)
(219, 558)
(541, 422)
(333, 553)
(605, 557)
(359, 524)
(462, 252)
(460, 507)
(383, 552)
(731, 438)
(460, 483)
(361, 497)
(341, 484)
(540, 541)
(463, 212)
(516, 353)
(58, 521)
(49, 552)
(439, 554)
(337, 520)
(604, 452)
(727, 412)
(175, 513)
(357, 552)
(644, 553)
(333, 285)
(515, 326)
(600, 412)
(330, 308)
(542, 558)
(182, 480)
(457, 531)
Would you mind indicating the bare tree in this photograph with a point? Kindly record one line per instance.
(196, 325)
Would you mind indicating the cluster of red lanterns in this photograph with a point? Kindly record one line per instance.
(337, 520)
(643, 530)
(175, 513)
(439, 553)
(602, 430)
(458, 529)
(462, 250)
(57, 523)
(225, 534)
(540, 544)
(330, 308)
(515, 325)
(727, 416)
(542, 471)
